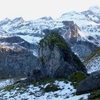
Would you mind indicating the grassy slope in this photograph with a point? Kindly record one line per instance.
(95, 53)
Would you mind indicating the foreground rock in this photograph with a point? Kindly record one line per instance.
(89, 84)
(56, 59)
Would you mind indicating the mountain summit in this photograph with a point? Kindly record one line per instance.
(95, 9)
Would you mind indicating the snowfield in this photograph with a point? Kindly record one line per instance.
(4, 83)
(66, 92)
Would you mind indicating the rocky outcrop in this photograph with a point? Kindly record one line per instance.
(89, 84)
(71, 33)
(56, 58)
(16, 63)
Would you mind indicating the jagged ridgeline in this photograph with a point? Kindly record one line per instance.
(56, 59)
(16, 62)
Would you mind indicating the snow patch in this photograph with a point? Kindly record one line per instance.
(5, 82)
(30, 39)
(31, 92)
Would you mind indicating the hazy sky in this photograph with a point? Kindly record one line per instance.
(34, 9)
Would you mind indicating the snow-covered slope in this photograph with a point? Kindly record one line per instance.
(95, 9)
(88, 21)
(85, 20)
(92, 62)
(31, 92)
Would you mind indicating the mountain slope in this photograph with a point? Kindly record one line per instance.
(92, 62)
(16, 62)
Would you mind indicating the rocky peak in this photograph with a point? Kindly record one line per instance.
(95, 9)
(5, 21)
(71, 32)
(56, 58)
(18, 19)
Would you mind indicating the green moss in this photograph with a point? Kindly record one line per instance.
(35, 83)
(95, 53)
(98, 98)
(18, 85)
(49, 83)
(53, 39)
(9, 87)
(94, 95)
(47, 80)
(65, 80)
(76, 78)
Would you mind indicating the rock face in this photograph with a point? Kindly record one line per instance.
(16, 63)
(89, 84)
(71, 32)
(56, 59)
(71, 36)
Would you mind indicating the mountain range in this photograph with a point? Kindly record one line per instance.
(80, 29)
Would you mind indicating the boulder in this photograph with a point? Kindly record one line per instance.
(89, 84)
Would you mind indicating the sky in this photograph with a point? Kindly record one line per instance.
(34, 9)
